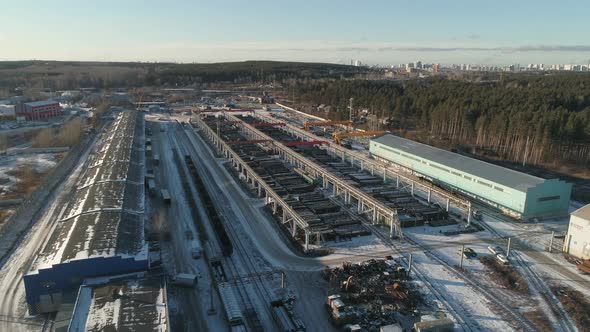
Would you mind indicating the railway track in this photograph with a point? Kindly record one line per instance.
(456, 312)
(48, 322)
(467, 325)
(245, 268)
(561, 317)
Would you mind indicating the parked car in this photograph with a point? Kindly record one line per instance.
(502, 259)
(469, 253)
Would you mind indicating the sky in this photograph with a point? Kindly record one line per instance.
(372, 31)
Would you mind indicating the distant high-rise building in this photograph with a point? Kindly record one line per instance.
(435, 68)
(357, 63)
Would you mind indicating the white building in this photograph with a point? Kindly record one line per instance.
(577, 239)
(6, 110)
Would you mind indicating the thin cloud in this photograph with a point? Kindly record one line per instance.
(554, 48)
(321, 46)
(434, 49)
(538, 48)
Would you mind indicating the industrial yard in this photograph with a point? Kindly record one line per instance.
(257, 166)
(246, 220)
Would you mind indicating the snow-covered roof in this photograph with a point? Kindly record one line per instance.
(41, 103)
(121, 304)
(583, 212)
(104, 216)
(498, 174)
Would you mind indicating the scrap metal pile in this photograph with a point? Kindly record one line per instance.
(371, 294)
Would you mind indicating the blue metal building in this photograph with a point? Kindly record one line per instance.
(100, 231)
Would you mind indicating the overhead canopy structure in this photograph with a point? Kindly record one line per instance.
(306, 125)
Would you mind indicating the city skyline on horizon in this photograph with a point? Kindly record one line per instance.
(374, 32)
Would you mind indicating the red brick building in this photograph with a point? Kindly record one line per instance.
(38, 110)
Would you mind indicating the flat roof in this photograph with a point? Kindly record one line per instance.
(583, 212)
(498, 174)
(104, 216)
(124, 303)
(41, 103)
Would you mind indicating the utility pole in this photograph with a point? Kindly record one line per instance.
(462, 254)
(551, 241)
(391, 228)
(409, 265)
(508, 247)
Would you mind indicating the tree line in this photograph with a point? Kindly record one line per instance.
(524, 118)
(58, 75)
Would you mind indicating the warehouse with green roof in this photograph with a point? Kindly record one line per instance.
(523, 194)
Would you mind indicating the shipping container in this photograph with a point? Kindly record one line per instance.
(152, 186)
(166, 196)
(184, 280)
(230, 304)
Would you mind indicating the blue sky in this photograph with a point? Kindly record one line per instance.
(383, 32)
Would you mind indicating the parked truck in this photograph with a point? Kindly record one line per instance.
(195, 249)
(166, 196)
(339, 312)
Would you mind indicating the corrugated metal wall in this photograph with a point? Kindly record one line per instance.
(533, 202)
(69, 276)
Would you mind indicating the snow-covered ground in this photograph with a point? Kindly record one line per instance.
(12, 303)
(462, 298)
(454, 291)
(40, 162)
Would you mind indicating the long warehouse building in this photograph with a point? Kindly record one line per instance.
(522, 194)
(100, 230)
